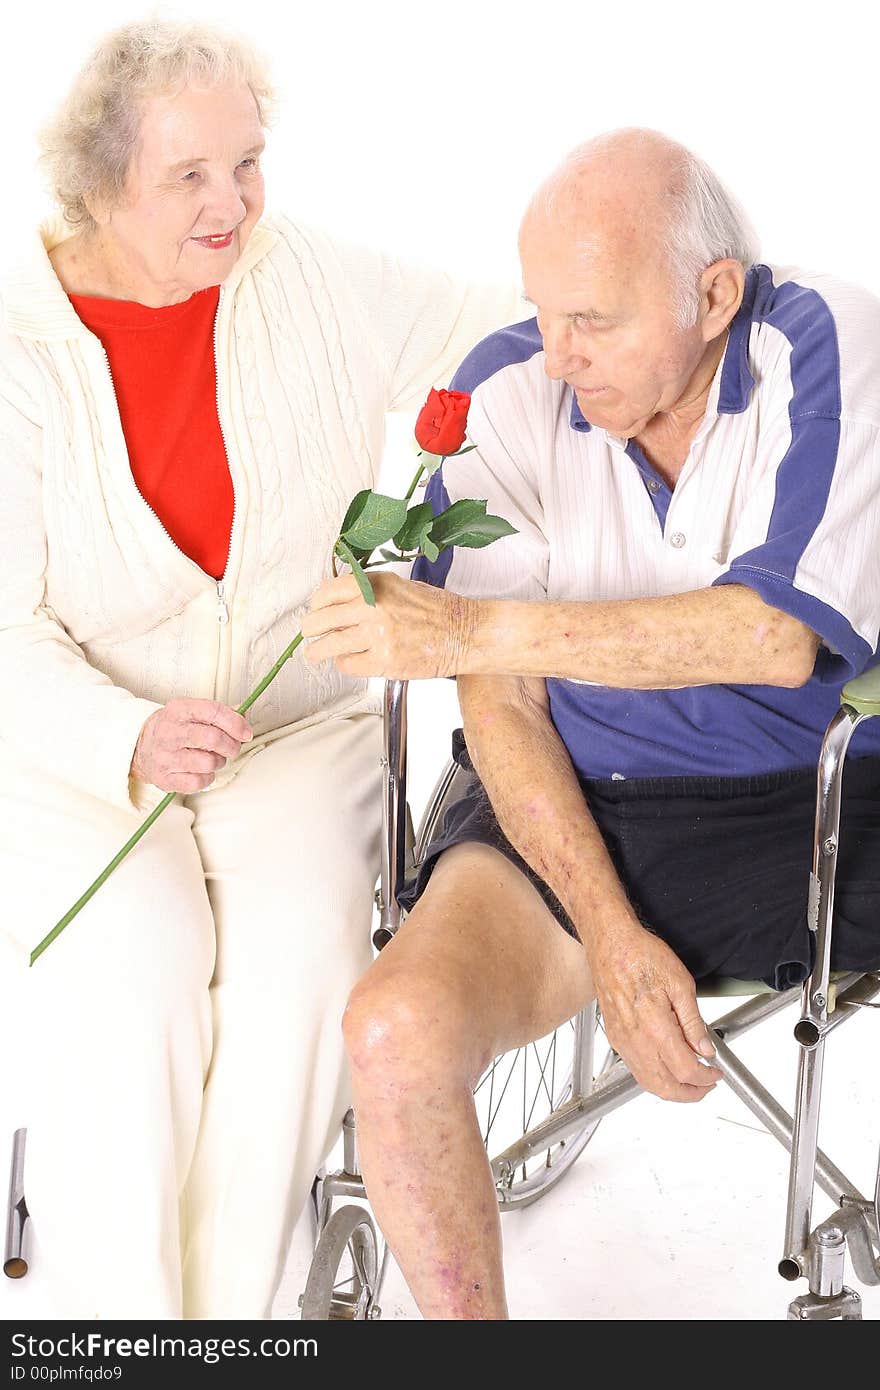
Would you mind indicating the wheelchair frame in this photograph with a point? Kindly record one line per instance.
(826, 1002)
(817, 1254)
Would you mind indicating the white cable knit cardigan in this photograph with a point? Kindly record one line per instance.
(103, 618)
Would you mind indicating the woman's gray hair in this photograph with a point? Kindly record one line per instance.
(705, 222)
(88, 146)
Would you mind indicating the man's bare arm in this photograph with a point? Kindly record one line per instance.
(647, 997)
(725, 635)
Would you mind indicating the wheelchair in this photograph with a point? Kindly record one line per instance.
(540, 1105)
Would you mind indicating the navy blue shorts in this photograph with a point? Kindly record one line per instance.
(717, 866)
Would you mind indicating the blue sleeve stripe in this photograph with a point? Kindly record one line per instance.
(831, 626)
(516, 343)
(435, 572)
(805, 473)
(806, 321)
(803, 482)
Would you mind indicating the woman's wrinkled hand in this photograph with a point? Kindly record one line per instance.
(181, 746)
(650, 1014)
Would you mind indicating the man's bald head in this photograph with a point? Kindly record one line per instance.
(626, 165)
(649, 203)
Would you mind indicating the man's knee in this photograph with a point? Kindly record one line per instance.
(408, 1028)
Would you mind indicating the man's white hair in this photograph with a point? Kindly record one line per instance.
(89, 144)
(704, 222)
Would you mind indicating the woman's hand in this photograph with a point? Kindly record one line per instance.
(650, 1014)
(182, 745)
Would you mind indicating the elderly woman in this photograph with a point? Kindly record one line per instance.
(190, 395)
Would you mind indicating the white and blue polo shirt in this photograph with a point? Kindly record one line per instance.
(780, 491)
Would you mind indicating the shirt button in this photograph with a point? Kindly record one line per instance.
(677, 539)
(653, 485)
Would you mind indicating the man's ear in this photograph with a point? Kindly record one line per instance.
(721, 290)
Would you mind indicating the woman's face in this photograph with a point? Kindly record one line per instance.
(194, 193)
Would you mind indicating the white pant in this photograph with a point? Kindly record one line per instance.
(178, 1101)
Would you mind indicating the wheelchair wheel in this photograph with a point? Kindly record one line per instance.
(342, 1275)
(522, 1088)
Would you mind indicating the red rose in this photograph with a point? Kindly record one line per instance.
(442, 424)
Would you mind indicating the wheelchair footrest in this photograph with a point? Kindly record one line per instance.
(812, 1307)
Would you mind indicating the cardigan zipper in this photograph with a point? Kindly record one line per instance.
(222, 610)
(222, 607)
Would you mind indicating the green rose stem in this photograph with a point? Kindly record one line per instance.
(142, 829)
(474, 528)
(414, 484)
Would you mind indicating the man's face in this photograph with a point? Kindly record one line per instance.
(606, 320)
(195, 174)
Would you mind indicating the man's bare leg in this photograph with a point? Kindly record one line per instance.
(479, 967)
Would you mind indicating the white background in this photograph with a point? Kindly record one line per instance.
(424, 129)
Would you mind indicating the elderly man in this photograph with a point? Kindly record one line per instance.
(687, 443)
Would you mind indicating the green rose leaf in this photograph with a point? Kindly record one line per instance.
(371, 520)
(355, 507)
(489, 529)
(466, 523)
(418, 521)
(416, 533)
(345, 553)
(360, 554)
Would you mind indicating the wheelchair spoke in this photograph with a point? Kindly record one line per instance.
(542, 1083)
(517, 1103)
(488, 1075)
(549, 1093)
(551, 1054)
(494, 1113)
(491, 1093)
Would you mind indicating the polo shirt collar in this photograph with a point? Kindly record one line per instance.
(576, 417)
(736, 374)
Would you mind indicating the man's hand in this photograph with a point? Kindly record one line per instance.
(181, 746)
(414, 632)
(650, 1014)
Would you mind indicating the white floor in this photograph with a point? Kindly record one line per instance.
(675, 1211)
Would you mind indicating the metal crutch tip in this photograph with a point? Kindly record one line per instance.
(16, 1268)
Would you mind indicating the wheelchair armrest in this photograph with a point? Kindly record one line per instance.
(863, 692)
